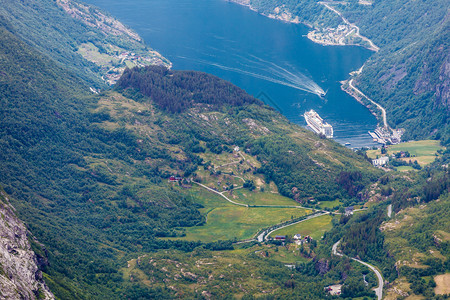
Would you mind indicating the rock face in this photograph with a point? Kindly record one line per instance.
(20, 277)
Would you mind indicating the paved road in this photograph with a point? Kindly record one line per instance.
(372, 45)
(379, 289)
(246, 205)
(218, 193)
(383, 111)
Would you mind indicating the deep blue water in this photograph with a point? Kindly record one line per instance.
(270, 59)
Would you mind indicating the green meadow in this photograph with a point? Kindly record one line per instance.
(315, 227)
(424, 151)
(228, 221)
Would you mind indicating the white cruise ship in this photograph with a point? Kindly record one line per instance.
(316, 123)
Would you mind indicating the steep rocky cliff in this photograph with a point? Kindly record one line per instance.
(20, 277)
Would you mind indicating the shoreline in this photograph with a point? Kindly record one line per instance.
(333, 40)
(287, 16)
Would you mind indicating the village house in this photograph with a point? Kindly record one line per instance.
(280, 238)
(175, 178)
(297, 239)
(349, 211)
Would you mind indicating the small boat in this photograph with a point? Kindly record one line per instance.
(347, 144)
(320, 93)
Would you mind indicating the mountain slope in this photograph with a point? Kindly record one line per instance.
(88, 174)
(409, 75)
(47, 140)
(78, 37)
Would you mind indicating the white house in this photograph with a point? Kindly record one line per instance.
(380, 161)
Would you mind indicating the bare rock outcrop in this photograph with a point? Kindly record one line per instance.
(20, 277)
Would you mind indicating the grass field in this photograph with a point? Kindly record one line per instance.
(227, 221)
(423, 151)
(315, 227)
(239, 222)
(405, 168)
(255, 198)
(329, 204)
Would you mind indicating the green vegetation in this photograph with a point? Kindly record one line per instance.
(330, 204)
(425, 152)
(255, 271)
(315, 228)
(410, 156)
(406, 75)
(254, 198)
(225, 223)
(177, 91)
(86, 43)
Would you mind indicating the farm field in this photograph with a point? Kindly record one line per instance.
(288, 254)
(329, 204)
(405, 168)
(424, 151)
(315, 228)
(255, 198)
(228, 221)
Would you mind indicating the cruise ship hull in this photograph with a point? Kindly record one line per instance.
(316, 123)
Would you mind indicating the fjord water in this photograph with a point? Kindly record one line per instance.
(270, 59)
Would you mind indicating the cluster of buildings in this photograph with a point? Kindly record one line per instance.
(384, 136)
(114, 73)
(297, 239)
(331, 36)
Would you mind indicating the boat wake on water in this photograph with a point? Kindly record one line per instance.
(262, 69)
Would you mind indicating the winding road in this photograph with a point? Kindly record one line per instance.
(383, 111)
(379, 289)
(247, 205)
(219, 193)
(327, 5)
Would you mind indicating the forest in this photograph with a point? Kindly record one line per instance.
(176, 91)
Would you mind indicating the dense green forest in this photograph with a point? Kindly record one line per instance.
(409, 75)
(176, 91)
